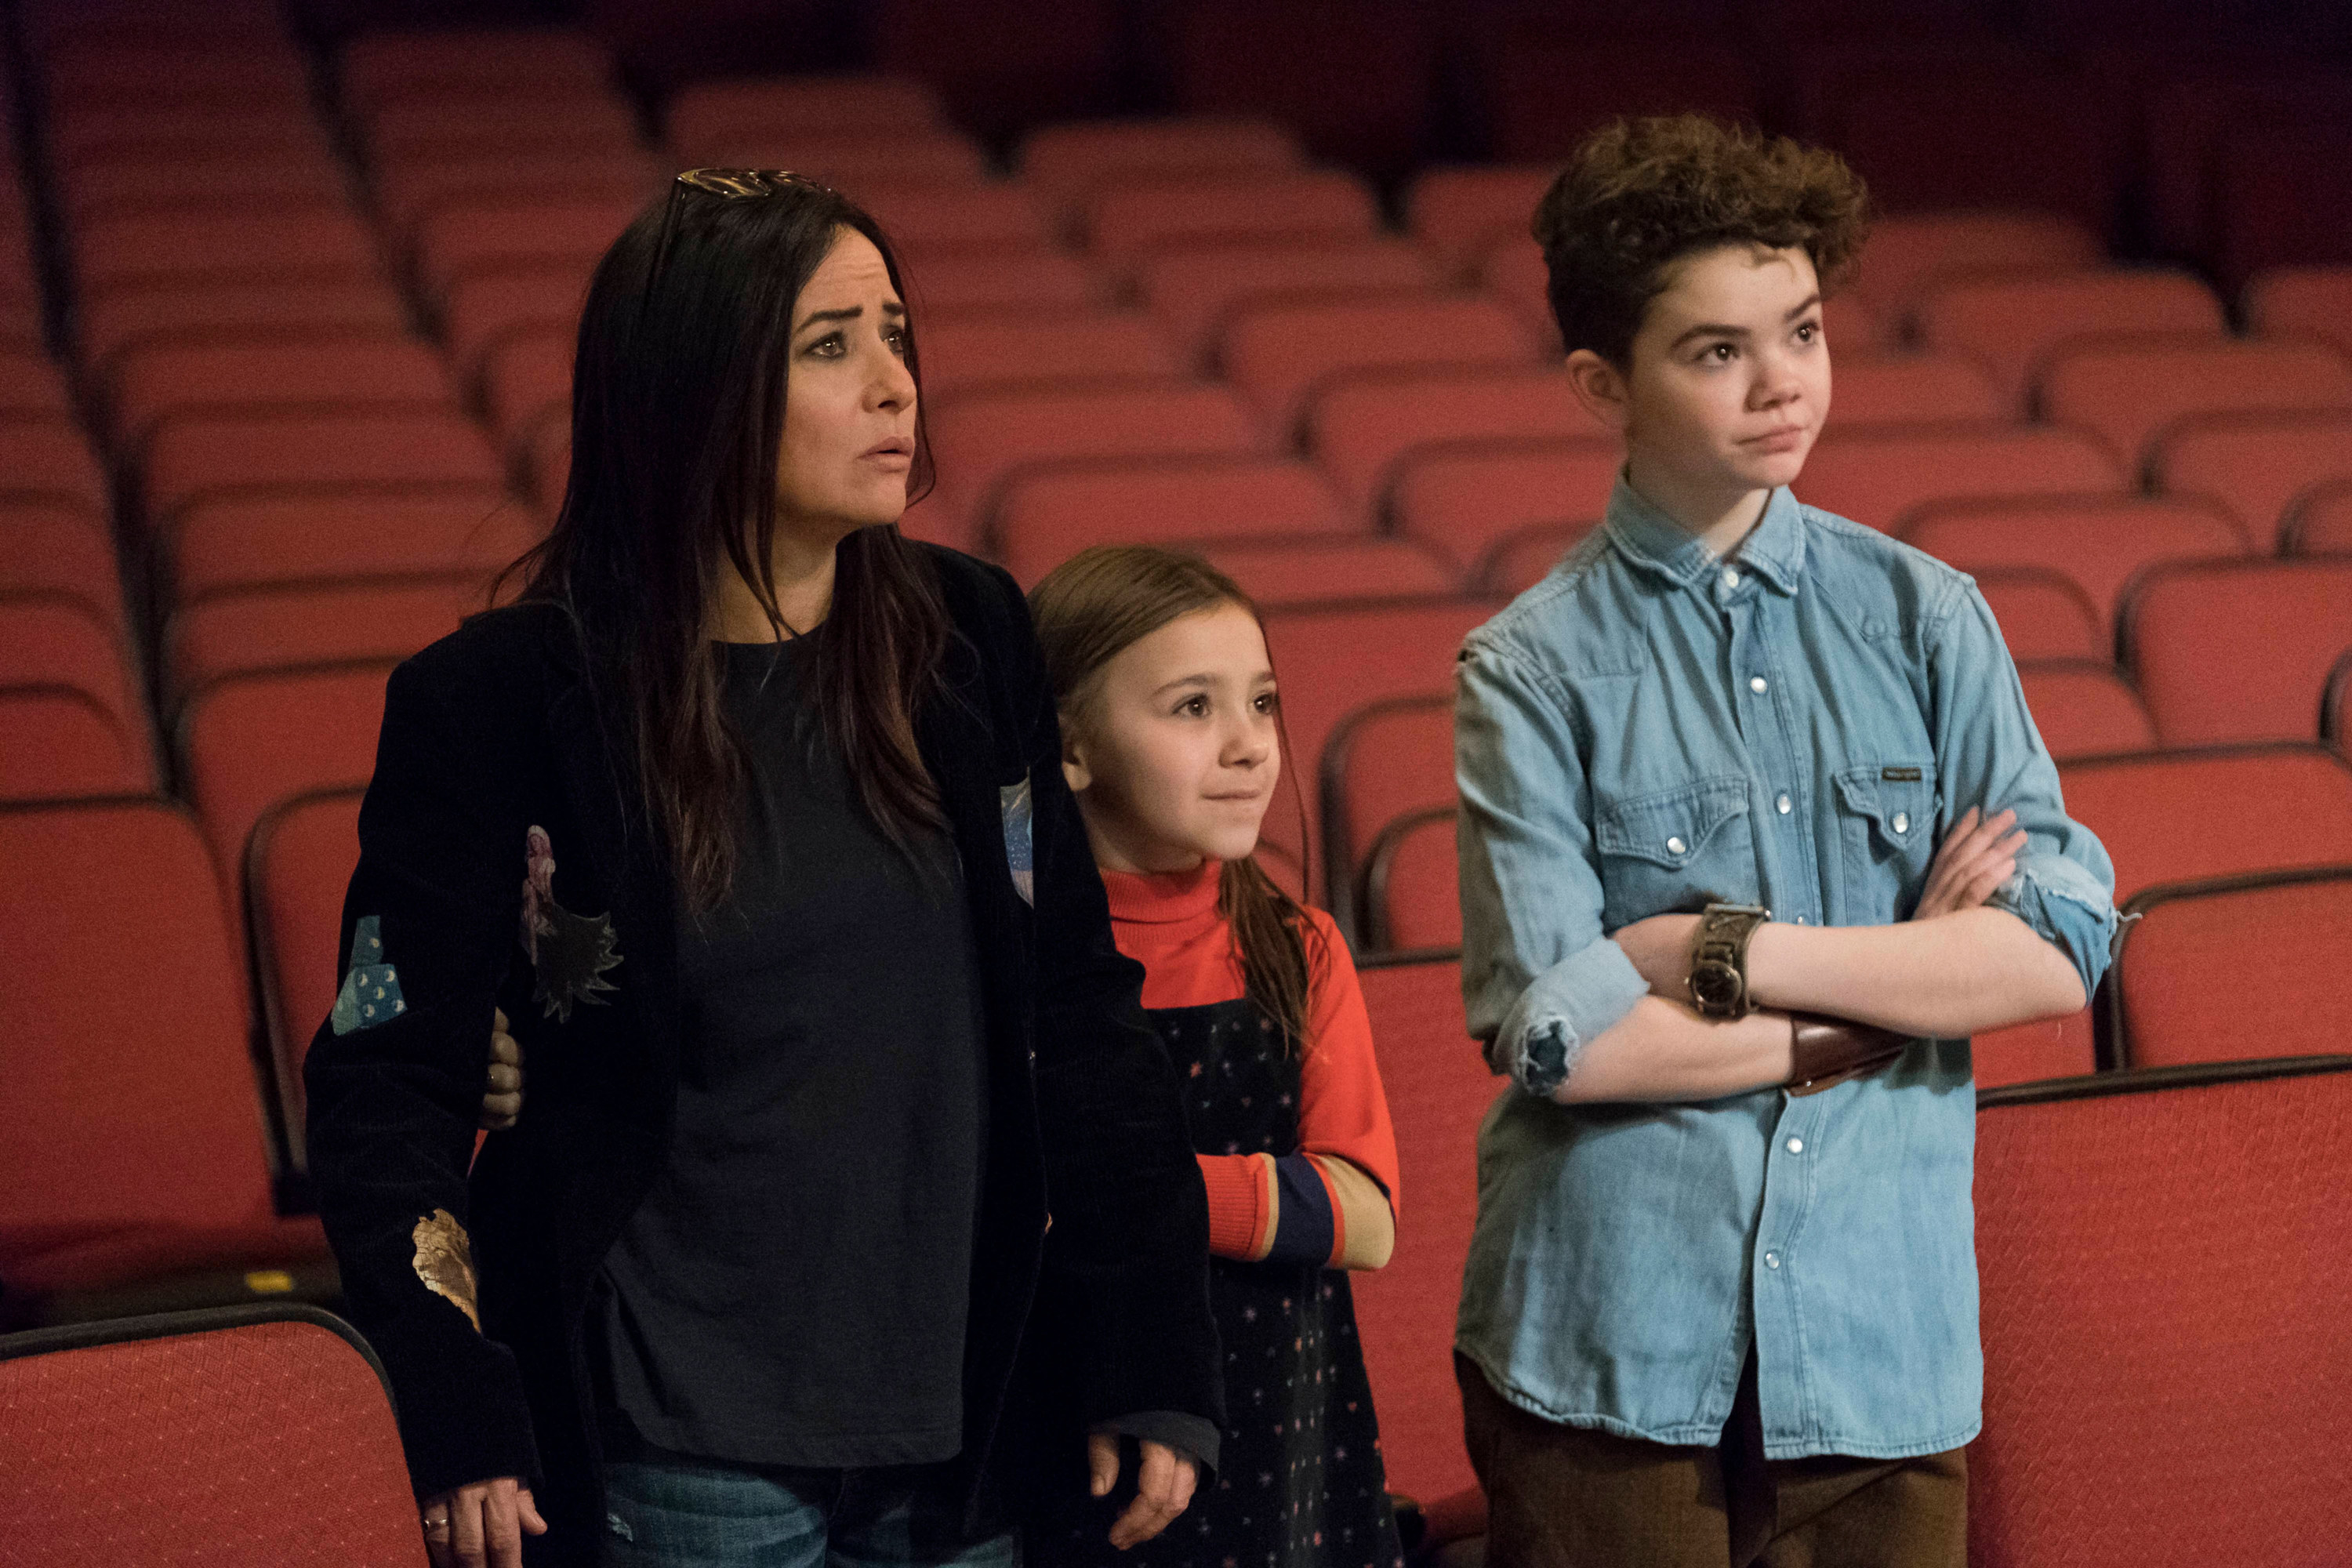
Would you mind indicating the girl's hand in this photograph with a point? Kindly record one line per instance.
(481, 1525)
(1978, 855)
(1163, 1487)
(502, 1087)
(1661, 949)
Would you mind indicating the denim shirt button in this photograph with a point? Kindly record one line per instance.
(1675, 846)
(1796, 1145)
(1730, 578)
(1783, 806)
(1756, 684)
(1902, 822)
(1772, 1260)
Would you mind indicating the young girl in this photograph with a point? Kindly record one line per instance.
(1172, 742)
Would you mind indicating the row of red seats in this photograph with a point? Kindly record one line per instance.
(2136, 1391)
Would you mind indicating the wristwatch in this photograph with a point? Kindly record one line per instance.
(1718, 973)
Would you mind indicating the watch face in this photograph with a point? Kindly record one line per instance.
(1715, 985)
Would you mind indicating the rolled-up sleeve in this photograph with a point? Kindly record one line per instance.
(1539, 980)
(1989, 755)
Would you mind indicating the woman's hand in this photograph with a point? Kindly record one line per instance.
(1978, 855)
(1660, 948)
(481, 1525)
(502, 1089)
(1164, 1483)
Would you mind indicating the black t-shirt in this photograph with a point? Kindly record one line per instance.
(793, 1289)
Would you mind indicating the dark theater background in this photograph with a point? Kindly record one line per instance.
(288, 297)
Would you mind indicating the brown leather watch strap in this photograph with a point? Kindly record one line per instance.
(1827, 1051)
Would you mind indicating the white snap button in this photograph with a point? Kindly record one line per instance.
(1902, 822)
(1772, 1260)
(1784, 805)
(1801, 920)
(1675, 845)
(1756, 684)
(1730, 578)
(1796, 1145)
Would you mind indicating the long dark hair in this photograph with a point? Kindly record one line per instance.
(1106, 598)
(677, 413)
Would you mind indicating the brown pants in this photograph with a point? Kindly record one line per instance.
(1569, 1497)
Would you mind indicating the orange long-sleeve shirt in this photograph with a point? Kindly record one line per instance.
(1169, 924)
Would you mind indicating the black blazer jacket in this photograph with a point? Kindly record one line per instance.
(1089, 1297)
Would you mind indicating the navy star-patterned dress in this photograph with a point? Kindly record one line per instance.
(1300, 1483)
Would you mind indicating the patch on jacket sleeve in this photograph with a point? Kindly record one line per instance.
(1013, 800)
(370, 992)
(445, 1261)
(569, 953)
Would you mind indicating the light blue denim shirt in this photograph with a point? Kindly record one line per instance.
(1649, 727)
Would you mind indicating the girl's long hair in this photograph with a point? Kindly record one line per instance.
(677, 414)
(1105, 599)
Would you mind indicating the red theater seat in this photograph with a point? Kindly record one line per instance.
(51, 547)
(854, 162)
(328, 535)
(2163, 1266)
(2282, 941)
(229, 181)
(118, 319)
(713, 113)
(1957, 134)
(1460, 214)
(1126, 224)
(143, 249)
(2130, 395)
(1283, 572)
(277, 628)
(1410, 895)
(473, 63)
(990, 438)
(203, 458)
(2030, 1053)
(1049, 517)
(408, 192)
(1067, 164)
(55, 639)
(1384, 760)
(1519, 560)
(2238, 650)
(131, 1141)
(409, 132)
(157, 381)
(1333, 660)
(2084, 710)
(1280, 357)
(1363, 429)
(1910, 389)
(49, 460)
(2303, 302)
(1440, 1088)
(60, 743)
(2100, 545)
(251, 742)
(927, 221)
(530, 229)
(1907, 255)
(2181, 816)
(124, 1431)
(298, 863)
(1877, 477)
(1465, 499)
(2321, 523)
(2044, 614)
(1044, 349)
(2008, 324)
(2259, 466)
(946, 285)
(1197, 293)
(30, 387)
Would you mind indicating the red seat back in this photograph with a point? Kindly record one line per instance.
(2303, 302)
(112, 321)
(1331, 569)
(2044, 614)
(50, 546)
(1907, 254)
(1439, 1089)
(1518, 560)
(1043, 350)
(1126, 223)
(1383, 761)
(1411, 885)
(1279, 355)
(705, 114)
(531, 227)
(947, 286)
(1067, 164)
(48, 459)
(2099, 545)
(277, 628)
(251, 742)
(1047, 517)
(1878, 476)
(1197, 293)
(2281, 940)
(304, 850)
(196, 456)
(2008, 324)
(244, 541)
(2238, 650)
(2128, 394)
(2259, 466)
(206, 1439)
(55, 639)
(2321, 524)
(1459, 215)
(1899, 389)
(59, 743)
(2085, 709)
(1363, 429)
(1465, 498)
(2181, 817)
(929, 221)
(2163, 1271)
(155, 382)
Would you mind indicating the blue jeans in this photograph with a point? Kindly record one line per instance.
(668, 1511)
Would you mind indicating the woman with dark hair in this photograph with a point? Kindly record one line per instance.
(750, 814)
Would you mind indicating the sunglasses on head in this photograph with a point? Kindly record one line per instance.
(745, 181)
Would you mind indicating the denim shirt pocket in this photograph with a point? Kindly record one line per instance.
(1676, 850)
(1886, 839)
